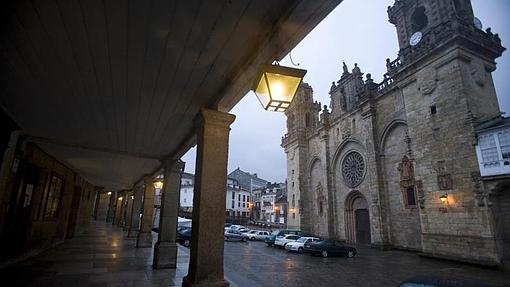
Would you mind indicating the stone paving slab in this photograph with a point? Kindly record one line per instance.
(112, 260)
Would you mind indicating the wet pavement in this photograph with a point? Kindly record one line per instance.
(105, 257)
(255, 264)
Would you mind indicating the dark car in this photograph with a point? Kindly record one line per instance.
(184, 237)
(330, 248)
(440, 281)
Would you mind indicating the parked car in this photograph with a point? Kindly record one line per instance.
(248, 233)
(299, 245)
(330, 248)
(440, 281)
(270, 239)
(256, 235)
(184, 237)
(234, 235)
(234, 227)
(227, 225)
(281, 241)
(243, 230)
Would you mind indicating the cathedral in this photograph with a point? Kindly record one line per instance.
(394, 164)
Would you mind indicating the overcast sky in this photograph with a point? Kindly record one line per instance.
(357, 31)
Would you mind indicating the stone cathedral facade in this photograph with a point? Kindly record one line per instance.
(373, 167)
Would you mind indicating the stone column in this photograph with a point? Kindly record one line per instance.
(129, 209)
(135, 213)
(165, 250)
(145, 235)
(206, 258)
(118, 209)
(111, 207)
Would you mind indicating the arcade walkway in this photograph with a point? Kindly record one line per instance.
(102, 257)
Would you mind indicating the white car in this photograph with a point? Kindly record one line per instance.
(256, 235)
(299, 245)
(281, 241)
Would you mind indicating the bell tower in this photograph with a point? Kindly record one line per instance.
(431, 29)
(443, 80)
(417, 17)
(302, 120)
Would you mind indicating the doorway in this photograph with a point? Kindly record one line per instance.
(357, 219)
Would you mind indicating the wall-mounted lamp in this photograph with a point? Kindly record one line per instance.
(109, 193)
(121, 198)
(132, 197)
(444, 198)
(276, 86)
(158, 184)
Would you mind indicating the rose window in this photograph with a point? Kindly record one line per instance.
(353, 169)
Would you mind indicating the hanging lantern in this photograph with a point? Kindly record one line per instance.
(276, 86)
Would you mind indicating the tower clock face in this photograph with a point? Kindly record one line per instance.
(415, 38)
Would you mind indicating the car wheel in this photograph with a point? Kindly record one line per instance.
(300, 250)
(252, 239)
(243, 239)
(324, 253)
(187, 243)
(350, 254)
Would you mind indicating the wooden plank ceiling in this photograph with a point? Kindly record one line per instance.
(110, 87)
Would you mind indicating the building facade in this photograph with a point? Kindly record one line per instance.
(246, 180)
(187, 185)
(394, 164)
(237, 200)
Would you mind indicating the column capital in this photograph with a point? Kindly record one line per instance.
(148, 180)
(213, 117)
(173, 165)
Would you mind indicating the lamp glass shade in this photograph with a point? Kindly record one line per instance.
(443, 198)
(158, 184)
(276, 86)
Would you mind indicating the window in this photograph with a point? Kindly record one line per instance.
(293, 200)
(54, 196)
(233, 204)
(320, 208)
(433, 110)
(293, 216)
(233, 195)
(238, 197)
(410, 197)
(244, 197)
(185, 200)
(504, 144)
(239, 204)
(307, 120)
(489, 150)
(419, 20)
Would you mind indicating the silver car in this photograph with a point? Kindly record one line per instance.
(234, 235)
(256, 235)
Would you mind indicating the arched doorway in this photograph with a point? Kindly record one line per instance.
(357, 219)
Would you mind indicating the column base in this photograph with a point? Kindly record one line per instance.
(132, 233)
(165, 255)
(144, 240)
(220, 283)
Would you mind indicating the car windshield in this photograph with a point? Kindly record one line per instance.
(302, 239)
(275, 232)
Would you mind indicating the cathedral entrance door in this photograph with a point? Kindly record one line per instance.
(357, 219)
(362, 226)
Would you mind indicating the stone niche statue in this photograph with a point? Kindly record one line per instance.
(406, 169)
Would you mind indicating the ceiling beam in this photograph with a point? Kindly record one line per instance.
(88, 148)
